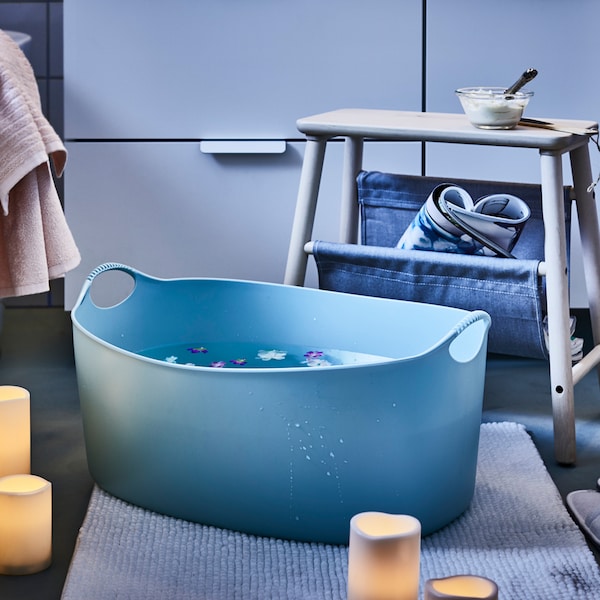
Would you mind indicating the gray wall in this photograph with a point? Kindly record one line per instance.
(43, 21)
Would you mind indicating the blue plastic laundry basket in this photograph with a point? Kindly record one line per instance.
(284, 451)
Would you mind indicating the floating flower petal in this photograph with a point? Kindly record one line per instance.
(238, 361)
(271, 354)
(218, 364)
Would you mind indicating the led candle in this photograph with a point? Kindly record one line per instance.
(461, 587)
(15, 433)
(384, 557)
(25, 524)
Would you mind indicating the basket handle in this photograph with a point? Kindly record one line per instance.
(109, 266)
(457, 351)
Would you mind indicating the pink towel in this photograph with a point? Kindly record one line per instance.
(36, 244)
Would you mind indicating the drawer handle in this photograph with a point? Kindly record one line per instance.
(243, 146)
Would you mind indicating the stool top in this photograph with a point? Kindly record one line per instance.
(556, 134)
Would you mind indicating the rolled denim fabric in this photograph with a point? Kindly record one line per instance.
(431, 230)
(450, 221)
(500, 218)
(451, 195)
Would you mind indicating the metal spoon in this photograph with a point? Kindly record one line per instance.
(524, 79)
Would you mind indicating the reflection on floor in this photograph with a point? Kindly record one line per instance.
(37, 353)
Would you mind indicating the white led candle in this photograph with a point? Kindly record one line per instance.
(461, 587)
(25, 524)
(384, 557)
(15, 433)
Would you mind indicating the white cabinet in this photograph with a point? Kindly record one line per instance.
(171, 211)
(146, 82)
(469, 43)
(189, 69)
(493, 46)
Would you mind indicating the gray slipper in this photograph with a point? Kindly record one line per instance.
(585, 508)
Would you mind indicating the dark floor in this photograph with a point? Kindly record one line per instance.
(36, 353)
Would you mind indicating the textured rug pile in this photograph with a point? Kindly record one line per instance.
(516, 532)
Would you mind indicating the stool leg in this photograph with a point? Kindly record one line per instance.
(590, 232)
(561, 372)
(306, 206)
(353, 155)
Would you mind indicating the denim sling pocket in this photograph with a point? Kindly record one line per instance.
(510, 290)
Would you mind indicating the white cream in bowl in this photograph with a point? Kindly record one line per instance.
(492, 108)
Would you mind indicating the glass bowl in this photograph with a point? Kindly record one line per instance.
(491, 107)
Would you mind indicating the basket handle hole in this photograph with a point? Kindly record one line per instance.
(111, 288)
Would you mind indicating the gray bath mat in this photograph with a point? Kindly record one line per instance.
(516, 532)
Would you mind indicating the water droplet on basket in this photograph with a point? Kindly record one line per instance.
(341, 440)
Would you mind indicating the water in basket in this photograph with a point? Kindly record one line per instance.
(258, 356)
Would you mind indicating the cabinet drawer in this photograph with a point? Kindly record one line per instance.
(217, 69)
(170, 210)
